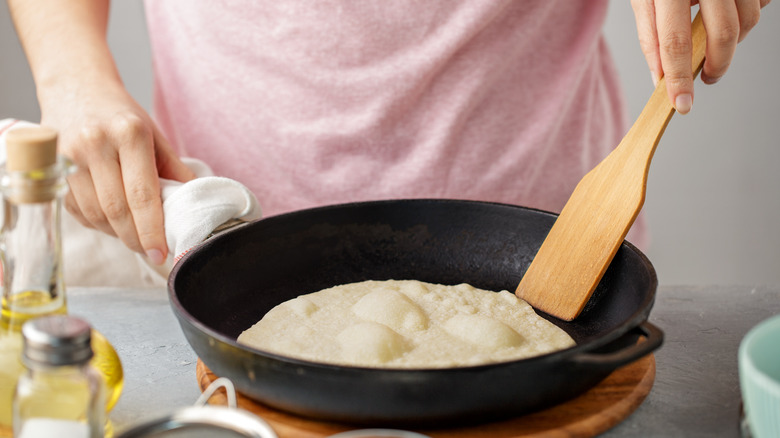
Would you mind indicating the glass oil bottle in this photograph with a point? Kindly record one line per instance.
(33, 185)
(59, 394)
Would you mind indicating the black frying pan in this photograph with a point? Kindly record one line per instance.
(224, 286)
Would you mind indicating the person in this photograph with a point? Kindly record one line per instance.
(313, 103)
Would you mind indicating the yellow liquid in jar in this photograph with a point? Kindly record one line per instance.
(10, 370)
(24, 306)
(64, 395)
(31, 304)
(107, 362)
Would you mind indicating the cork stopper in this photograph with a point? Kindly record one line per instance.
(30, 148)
(31, 156)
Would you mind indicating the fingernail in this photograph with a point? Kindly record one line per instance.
(155, 255)
(655, 77)
(683, 103)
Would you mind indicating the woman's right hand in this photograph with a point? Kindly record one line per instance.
(120, 155)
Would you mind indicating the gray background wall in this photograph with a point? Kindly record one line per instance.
(712, 196)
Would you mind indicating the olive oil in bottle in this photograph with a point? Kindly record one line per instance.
(33, 185)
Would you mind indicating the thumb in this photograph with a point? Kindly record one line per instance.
(169, 165)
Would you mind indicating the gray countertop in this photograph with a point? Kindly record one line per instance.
(696, 390)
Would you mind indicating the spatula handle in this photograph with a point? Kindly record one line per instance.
(659, 110)
(595, 220)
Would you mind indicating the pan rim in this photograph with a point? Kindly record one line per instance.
(637, 318)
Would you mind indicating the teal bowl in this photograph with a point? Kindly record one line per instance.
(759, 375)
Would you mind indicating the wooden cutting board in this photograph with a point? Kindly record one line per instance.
(594, 412)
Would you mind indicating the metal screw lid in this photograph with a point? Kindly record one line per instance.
(56, 340)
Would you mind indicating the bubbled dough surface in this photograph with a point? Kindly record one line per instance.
(405, 324)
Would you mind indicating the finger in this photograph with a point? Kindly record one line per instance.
(83, 203)
(72, 206)
(142, 190)
(169, 166)
(99, 151)
(721, 20)
(81, 200)
(749, 13)
(107, 178)
(644, 14)
(673, 23)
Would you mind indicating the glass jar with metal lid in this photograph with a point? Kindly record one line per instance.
(60, 393)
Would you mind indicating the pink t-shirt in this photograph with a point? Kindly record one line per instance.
(311, 103)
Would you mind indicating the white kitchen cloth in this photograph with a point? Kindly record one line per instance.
(193, 209)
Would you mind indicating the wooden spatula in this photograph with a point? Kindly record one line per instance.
(602, 208)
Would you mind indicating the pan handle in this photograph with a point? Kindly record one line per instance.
(228, 225)
(653, 339)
